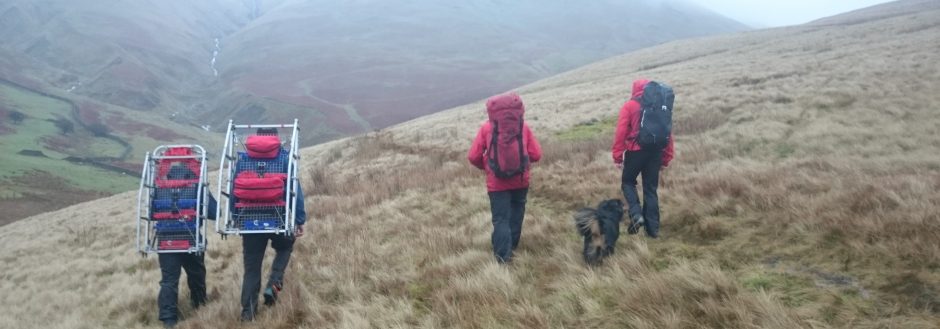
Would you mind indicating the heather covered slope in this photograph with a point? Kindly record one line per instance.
(143, 56)
(176, 71)
(98, 84)
(58, 149)
(343, 67)
(803, 194)
(361, 65)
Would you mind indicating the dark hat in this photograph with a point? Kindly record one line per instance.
(267, 131)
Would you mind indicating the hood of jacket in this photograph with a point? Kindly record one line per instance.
(638, 86)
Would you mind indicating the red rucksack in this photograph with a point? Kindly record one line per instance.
(262, 146)
(506, 155)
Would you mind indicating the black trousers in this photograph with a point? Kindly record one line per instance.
(253, 247)
(646, 163)
(508, 208)
(170, 265)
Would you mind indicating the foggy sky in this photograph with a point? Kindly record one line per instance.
(779, 13)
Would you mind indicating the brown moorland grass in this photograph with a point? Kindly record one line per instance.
(804, 194)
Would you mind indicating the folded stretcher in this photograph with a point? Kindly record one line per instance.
(258, 179)
(173, 200)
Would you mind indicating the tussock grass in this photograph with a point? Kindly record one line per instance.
(804, 197)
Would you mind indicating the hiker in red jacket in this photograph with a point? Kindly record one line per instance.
(505, 153)
(636, 160)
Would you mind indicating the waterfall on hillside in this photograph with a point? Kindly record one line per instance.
(215, 54)
(255, 9)
(72, 88)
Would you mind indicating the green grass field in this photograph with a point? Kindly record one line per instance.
(30, 135)
(38, 182)
(589, 129)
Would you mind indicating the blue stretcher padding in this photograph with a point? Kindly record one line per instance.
(175, 226)
(261, 224)
(167, 205)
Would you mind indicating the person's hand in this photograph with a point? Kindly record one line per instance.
(619, 165)
(299, 231)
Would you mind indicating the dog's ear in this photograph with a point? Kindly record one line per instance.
(605, 205)
(612, 205)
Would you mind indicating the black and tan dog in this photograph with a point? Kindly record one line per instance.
(600, 228)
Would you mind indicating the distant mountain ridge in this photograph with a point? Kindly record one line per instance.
(342, 67)
(146, 73)
(885, 10)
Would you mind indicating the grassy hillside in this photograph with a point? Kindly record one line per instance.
(144, 56)
(156, 72)
(362, 65)
(97, 68)
(36, 175)
(55, 152)
(803, 194)
(342, 67)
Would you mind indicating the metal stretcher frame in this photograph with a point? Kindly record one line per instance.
(226, 222)
(146, 242)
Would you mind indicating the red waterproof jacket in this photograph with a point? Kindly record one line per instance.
(477, 157)
(628, 127)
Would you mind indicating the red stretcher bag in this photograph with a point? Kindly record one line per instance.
(249, 186)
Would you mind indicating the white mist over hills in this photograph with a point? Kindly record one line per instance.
(782, 13)
(341, 67)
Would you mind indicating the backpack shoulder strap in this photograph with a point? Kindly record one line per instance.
(521, 137)
(494, 137)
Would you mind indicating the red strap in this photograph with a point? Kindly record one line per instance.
(183, 213)
(174, 245)
(254, 174)
(176, 183)
(178, 151)
(247, 204)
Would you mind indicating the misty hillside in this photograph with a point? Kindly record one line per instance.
(370, 64)
(343, 67)
(58, 149)
(94, 83)
(131, 75)
(132, 54)
(878, 12)
(144, 73)
(803, 195)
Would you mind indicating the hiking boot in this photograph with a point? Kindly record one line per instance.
(197, 303)
(169, 324)
(635, 224)
(270, 294)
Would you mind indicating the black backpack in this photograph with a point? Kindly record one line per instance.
(656, 116)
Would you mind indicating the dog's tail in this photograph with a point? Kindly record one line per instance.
(588, 225)
(585, 221)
